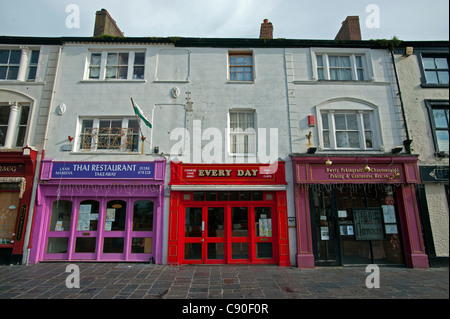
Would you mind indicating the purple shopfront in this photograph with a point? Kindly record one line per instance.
(357, 211)
(99, 211)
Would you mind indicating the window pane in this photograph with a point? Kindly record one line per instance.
(111, 73)
(24, 114)
(369, 143)
(443, 141)
(143, 215)
(123, 58)
(20, 141)
(32, 73)
(88, 215)
(325, 124)
(428, 63)
(95, 59)
(192, 251)
(123, 72)
(263, 222)
(13, 71)
(57, 245)
(94, 73)
(320, 74)
(431, 77)
(440, 118)
(346, 75)
(264, 250)
(443, 77)
(319, 59)
(138, 72)
(342, 139)
(326, 139)
(139, 58)
(14, 58)
(216, 221)
(111, 59)
(113, 245)
(366, 118)
(340, 122)
(441, 63)
(360, 75)
(141, 245)
(239, 221)
(193, 222)
(85, 244)
(353, 139)
(352, 123)
(344, 61)
(3, 72)
(239, 251)
(358, 61)
(333, 61)
(61, 215)
(34, 56)
(116, 211)
(4, 56)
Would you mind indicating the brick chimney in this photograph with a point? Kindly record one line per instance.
(105, 24)
(350, 29)
(266, 30)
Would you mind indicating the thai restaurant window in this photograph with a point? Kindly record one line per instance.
(242, 132)
(98, 134)
(241, 66)
(116, 65)
(348, 130)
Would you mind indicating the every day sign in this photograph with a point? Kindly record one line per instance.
(103, 170)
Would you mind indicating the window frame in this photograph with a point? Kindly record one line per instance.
(94, 145)
(366, 60)
(434, 55)
(9, 65)
(432, 105)
(241, 54)
(243, 133)
(19, 125)
(103, 66)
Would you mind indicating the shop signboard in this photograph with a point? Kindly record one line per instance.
(368, 224)
(127, 170)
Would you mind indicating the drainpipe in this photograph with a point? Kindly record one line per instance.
(408, 141)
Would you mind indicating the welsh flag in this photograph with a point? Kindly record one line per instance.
(141, 114)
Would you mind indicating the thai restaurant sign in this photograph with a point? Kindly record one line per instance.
(127, 170)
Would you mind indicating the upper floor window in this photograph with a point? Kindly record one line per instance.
(241, 66)
(347, 130)
(9, 64)
(439, 119)
(32, 66)
(100, 134)
(349, 67)
(242, 132)
(435, 69)
(116, 65)
(13, 124)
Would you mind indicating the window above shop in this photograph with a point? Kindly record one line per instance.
(19, 64)
(242, 132)
(438, 111)
(240, 66)
(117, 135)
(105, 65)
(13, 124)
(435, 70)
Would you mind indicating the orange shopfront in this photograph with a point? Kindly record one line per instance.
(228, 214)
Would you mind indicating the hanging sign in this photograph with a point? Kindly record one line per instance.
(103, 170)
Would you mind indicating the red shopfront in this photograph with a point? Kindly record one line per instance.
(17, 169)
(228, 214)
(357, 210)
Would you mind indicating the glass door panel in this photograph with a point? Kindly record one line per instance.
(215, 234)
(193, 233)
(114, 229)
(59, 230)
(240, 233)
(263, 233)
(87, 230)
(142, 229)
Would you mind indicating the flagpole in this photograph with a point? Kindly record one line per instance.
(139, 125)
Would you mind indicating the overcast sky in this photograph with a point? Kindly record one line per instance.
(292, 19)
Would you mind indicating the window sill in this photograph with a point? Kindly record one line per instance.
(434, 86)
(335, 82)
(113, 81)
(103, 153)
(17, 82)
(241, 82)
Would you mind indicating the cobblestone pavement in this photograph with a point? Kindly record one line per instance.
(146, 281)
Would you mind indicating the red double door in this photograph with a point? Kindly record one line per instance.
(228, 233)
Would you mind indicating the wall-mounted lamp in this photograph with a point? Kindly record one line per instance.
(367, 169)
(156, 150)
(328, 162)
(396, 149)
(309, 138)
(409, 51)
(312, 150)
